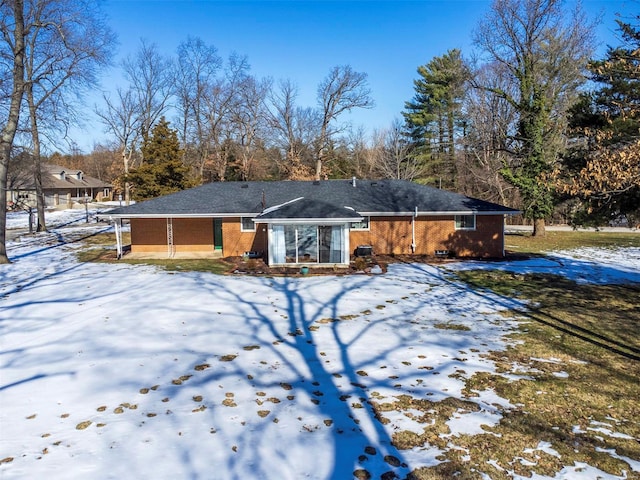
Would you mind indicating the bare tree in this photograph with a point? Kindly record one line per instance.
(248, 115)
(12, 27)
(130, 116)
(101, 161)
(545, 52)
(360, 154)
(490, 127)
(391, 156)
(150, 76)
(66, 41)
(218, 103)
(197, 66)
(121, 118)
(294, 129)
(341, 91)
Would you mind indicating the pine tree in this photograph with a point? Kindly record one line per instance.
(433, 115)
(603, 170)
(162, 171)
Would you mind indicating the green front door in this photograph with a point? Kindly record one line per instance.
(217, 234)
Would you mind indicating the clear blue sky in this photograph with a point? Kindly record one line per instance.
(302, 40)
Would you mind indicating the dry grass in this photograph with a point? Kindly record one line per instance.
(564, 240)
(578, 357)
(100, 248)
(576, 363)
(572, 375)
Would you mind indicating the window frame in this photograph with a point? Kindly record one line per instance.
(461, 224)
(242, 225)
(365, 219)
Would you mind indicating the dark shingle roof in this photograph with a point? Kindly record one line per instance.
(380, 197)
(305, 208)
(55, 177)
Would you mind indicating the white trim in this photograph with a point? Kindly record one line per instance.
(345, 245)
(243, 229)
(255, 214)
(433, 214)
(304, 221)
(178, 215)
(356, 229)
(277, 207)
(117, 225)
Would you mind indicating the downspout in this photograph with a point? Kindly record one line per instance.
(504, 220)
(171, 249)
(117, 224)
(413, 230)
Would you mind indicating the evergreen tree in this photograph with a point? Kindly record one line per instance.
(545, 52)
(433, 115)
(163, 171)
(603, 170)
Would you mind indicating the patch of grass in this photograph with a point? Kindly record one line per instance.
(433, 415)
(101, 248)
(215, 266)
(108, 255)
(576, 363)
(526, 243)
(106, 239)
(452, 326)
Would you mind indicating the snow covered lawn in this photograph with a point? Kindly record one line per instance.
(121, 371)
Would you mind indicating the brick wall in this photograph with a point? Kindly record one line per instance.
(235, 242)
(387, 235)
(193, 234)
(486, 240)
(148, 235)
(392, 235)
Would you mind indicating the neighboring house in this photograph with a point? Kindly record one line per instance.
(62, 187)
(313, 222)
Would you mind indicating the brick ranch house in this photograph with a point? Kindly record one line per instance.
(62, 187)
(312, 222)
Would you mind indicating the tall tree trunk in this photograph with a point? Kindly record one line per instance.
(11, 125)
(323, 143)
(127, 185)
(539, 227)
(37, 164)
(40, 202)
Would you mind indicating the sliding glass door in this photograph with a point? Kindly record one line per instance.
(307, 243)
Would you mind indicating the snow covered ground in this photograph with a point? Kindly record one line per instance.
(121, 371)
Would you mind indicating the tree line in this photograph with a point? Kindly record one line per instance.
(531, 120)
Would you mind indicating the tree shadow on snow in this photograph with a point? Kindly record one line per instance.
(335, 396)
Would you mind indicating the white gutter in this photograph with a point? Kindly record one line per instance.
(176, 215)
(413, 230)
(253, 214)
(434, 214)
(297, 221)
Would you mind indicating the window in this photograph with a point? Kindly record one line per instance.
(465, 222)
(247, 225)
(362, 225)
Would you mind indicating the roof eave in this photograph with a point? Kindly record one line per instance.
(437, 213)
(315, 221)
(174, 215)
